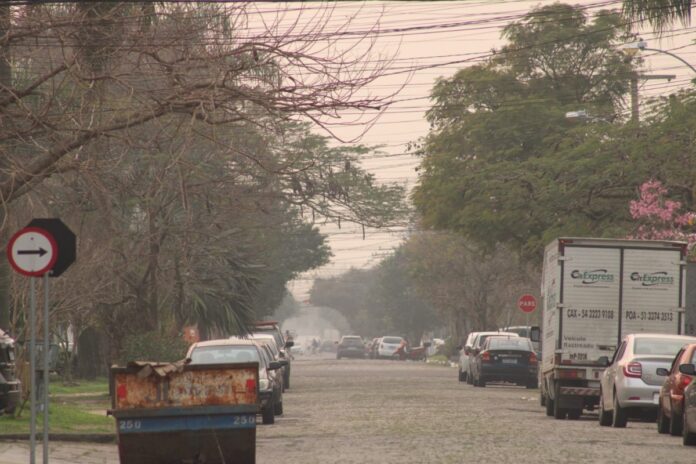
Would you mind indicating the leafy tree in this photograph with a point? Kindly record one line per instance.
(502, 164)
(659, 13)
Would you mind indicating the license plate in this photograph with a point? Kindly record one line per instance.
(656, 398)
(509, 361)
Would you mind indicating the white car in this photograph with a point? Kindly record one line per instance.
(630, 384)
(464, 357)
(388, 346)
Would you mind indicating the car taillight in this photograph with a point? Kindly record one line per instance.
(682, 381)
(633, 369)
(532, 358)
(485, 356)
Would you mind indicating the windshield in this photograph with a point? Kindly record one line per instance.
(224, 354)
(509, 344)
(351, 341)
(658, 346)
(392, 340)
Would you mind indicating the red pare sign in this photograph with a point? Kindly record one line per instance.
(527, 303)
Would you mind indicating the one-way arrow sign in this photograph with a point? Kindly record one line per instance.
(39, 252)
(32, 251)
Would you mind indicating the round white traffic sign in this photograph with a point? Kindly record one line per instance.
(32, 251)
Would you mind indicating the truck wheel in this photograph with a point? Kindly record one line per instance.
(619, 418)
(267, 415)
(662, 421)
(549, 406)
(604, 416)
(278, 408)
(558, 412)
(688, 438)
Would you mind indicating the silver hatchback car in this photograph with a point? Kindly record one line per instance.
(630, 384)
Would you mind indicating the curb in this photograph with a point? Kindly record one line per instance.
(69, 437)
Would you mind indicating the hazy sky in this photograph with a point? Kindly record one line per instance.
(424, 34)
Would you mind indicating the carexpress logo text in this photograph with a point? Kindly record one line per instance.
(592, 277)
(650, 279)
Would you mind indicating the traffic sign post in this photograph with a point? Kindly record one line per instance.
(45, 248)
(527, 303)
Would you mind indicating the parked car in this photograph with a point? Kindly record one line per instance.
(689, 412)
(670, 408)
(479, 338)
(283, 344)
(350, 346)
(505, 358)
(242, 351)
(464, 357)
(284, 359)
(328, 346)
(630, 385)
(388, 346)
(372, 348)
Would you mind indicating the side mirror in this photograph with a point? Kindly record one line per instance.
(603, 361)
(274, 366)
(289, 344)
(535, 334)
(688, 369)
(662, 372)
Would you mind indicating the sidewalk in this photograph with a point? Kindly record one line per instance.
(59, 453)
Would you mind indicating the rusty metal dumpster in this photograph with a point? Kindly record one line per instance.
(177, 413)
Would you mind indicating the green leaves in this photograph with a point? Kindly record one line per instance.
(502, 164)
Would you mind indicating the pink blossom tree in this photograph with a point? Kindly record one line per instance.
(660, 218)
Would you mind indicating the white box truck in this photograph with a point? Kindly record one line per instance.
(595, 291)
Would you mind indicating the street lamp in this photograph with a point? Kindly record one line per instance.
(581, 115)
(641, 45)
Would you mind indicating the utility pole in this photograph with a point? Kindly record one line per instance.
(5, 83)
(635, 97)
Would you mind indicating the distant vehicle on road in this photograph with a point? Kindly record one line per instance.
(464, 351)
(671, 404)
(281, 356)
(505, 359)
(388, 346)
(282, 344)
(631, 384)
(242, 351)
(476, 344)
(350, 346)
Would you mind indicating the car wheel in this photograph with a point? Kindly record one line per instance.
(267, 416)
(675, 424)
(619, 418)
(604, 416)
(688, 437)
(481, 382)
(286, 379)
(278, 408)
(662, 421)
